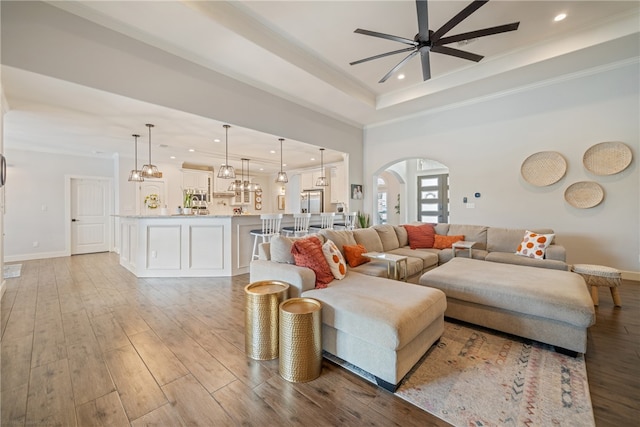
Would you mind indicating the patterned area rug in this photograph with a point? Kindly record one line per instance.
(480, 377)
(12, 270)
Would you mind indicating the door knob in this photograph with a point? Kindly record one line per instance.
(74, 220)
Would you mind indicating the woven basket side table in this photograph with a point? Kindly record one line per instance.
(300, 339)
(599, 275)
(261, 319)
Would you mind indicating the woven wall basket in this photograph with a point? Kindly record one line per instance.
(543, 168)
(584, 194)
(607, 158)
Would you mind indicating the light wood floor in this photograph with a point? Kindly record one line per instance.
(86, 343)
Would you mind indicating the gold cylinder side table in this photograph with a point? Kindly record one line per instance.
(300, 339)
(262, 300)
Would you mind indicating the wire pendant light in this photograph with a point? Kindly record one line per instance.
(226, 170)
(150, 170)
(136, 174)
(322, 179)
(282, 175)
(248, 185)
(237, 184)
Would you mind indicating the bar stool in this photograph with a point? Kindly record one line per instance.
(300, 225)
(349, 221)
(326, 221)
(270, 227)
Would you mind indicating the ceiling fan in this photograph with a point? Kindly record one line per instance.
(433, 41)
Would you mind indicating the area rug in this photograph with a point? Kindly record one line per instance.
(480, 377)
(12, 270)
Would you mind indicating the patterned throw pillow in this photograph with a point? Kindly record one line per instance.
(308, 253)
(444, 242)
(534, 245)
(335, 260)
(420, 236)
(353, 253)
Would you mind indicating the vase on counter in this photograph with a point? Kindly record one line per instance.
(186, 211)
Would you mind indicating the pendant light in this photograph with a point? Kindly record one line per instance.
(136, 174)
(251, 186)
(282, 175)
(150, 170)
(322, 180)
(226, 170)
(237, 184)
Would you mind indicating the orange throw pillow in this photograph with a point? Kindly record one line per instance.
(420, 236)
(353, 253)
(308, 253)
(444, 242)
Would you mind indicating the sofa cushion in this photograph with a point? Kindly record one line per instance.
(511, 258)
(384, 313)
(429, 257)
(368, 237)
(420, 236)
(444, 242)
(340, 238)
(353, 254)
(471, 233)
(445, 255)
(379, 268)
(308, 253)
(334, 258)
(388, 237)
(403, 236)
(442, 228)
(534, 245)
(280, 247)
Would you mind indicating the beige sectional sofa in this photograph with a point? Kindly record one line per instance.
(380, 325)
(494, 244)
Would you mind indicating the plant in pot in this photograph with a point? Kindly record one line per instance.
(188, 195)
(363, 220)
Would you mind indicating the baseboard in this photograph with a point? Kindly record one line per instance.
(3, 288)
(39, 255)
(631, 275)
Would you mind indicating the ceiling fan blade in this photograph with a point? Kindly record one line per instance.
(386, 36)
(423, 19)
(457, 52)
(426, 67)
(479, 33)
(382, 55)
(397, 67)
(461, 16)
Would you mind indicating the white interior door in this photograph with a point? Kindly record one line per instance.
(89, 215)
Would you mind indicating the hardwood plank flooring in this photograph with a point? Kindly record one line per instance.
(86, 343)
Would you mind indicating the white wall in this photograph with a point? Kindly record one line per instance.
(485, 143)
(35, 201)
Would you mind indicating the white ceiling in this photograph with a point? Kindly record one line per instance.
(300, 50)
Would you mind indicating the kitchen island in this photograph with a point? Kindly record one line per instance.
(189, 245)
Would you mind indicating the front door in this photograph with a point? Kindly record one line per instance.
(89, 215)
(433, 198)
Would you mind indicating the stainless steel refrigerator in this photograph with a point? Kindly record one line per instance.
(311, 201)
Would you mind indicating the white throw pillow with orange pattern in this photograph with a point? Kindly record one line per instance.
(334, 259)
(534, 245)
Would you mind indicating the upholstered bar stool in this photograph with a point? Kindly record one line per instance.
(599, 275)
(326, 221)
(270, 227)
(300, 225)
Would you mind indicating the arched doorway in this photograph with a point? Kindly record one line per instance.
(411, 190)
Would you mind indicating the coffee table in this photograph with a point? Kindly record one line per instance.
(390, 259)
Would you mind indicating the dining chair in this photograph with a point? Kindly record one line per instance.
(270, 227)
(326, 221)
(300, 225)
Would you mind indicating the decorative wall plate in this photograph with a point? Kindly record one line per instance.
(607, 158)
(543, 168)
(584, 194)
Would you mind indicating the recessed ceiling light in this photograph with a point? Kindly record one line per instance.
(560, 17)
(216, 140)
(312, 159)
(400, 76)
(272, 151)
(261, 169)
(172, 157)
(191, 150)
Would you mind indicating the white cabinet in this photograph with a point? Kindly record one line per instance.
(201, 182)
(338, 192)
(221, 186)
(308, 180)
